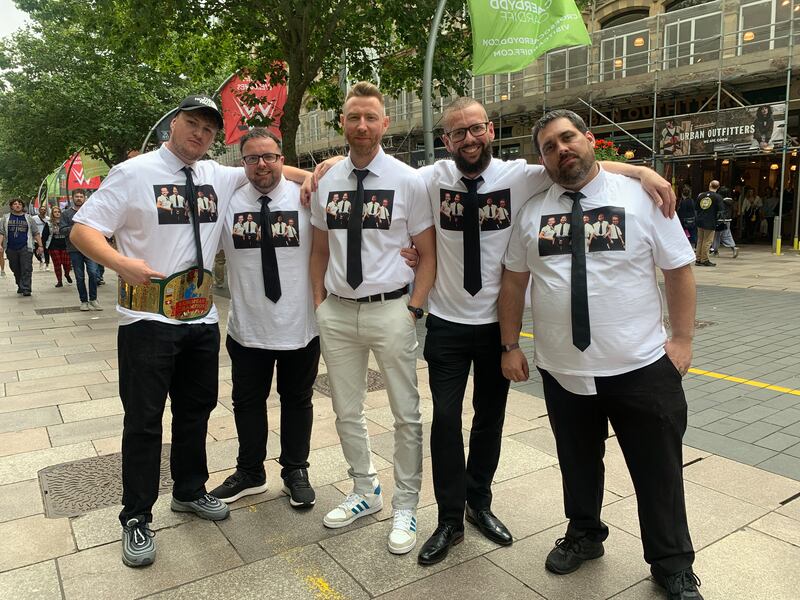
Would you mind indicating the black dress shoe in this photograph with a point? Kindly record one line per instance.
(489, 525)
(570, 553)
(438, 545)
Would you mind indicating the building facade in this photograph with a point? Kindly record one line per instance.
(680, 83)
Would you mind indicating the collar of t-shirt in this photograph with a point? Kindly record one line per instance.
(376, 167)
(590, 190)
(276, 196)
(170, 159)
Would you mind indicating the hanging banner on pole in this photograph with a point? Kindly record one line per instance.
(236, 112)
(508, 35)
(78, 178)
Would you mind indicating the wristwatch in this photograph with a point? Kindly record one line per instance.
(417, 312)
(509, 347)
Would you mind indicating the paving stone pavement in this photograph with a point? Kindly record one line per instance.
(59, 402)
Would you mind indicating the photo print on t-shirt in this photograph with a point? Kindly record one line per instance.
(494, 210)
(246, 230)
(283, 229)
(173, 209)
(603, 231)
(376, 214)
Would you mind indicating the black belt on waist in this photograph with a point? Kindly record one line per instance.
(378, 297)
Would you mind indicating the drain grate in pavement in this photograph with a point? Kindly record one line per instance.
(81, 486)
(374, 383)
(57, 310)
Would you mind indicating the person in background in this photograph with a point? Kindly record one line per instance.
(55, 245)
(686, 214)
(41, 221)
(751, 213)
(723, 235)
(770, 211)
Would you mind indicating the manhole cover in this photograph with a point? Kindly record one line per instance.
(374, 383)
(57, 310)
(81, 486)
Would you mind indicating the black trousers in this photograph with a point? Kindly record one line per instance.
(156, 359)
(252, 370)
(647, 409)
(450, 350)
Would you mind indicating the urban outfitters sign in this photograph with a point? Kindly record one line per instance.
(508, 35)
(745, 128)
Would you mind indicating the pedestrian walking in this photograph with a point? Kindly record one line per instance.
(723, 235)
(41, 221)
(85, 268)
(55, 244)
(19, 235)
(706, 206)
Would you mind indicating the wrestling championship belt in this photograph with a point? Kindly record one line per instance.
(176, 297)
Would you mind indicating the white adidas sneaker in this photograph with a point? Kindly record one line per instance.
(354, 507)
(403, 536)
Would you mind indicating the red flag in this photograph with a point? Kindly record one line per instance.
(235, 112)
(77, 178)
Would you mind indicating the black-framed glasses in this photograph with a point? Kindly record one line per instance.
(477, 130)
(267, 157)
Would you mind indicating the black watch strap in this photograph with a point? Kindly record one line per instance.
(417, 312)
(509, 347)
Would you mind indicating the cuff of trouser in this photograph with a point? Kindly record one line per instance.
(365, 485)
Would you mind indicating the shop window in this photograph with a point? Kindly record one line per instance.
(509, 152)
(566, 68)
(691, 40)
(764, 25)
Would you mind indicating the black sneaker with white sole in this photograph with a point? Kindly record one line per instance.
(296, 484)
(238, 485)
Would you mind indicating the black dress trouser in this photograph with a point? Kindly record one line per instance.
(647, 409)
(156, 359)
(252, 371)
(450, 350)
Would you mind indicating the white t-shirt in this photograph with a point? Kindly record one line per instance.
(625, 305)
(254, 320)
(409, 214)
(125, 207)
(512, 181)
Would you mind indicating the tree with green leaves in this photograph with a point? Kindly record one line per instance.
(64, 89)
(304, 44)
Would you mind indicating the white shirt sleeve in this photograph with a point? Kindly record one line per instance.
(516, 256)
(318, 212)
(671, 248)
(420, 214)
(537, 179)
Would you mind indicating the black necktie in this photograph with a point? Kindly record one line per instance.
(472, 237)
(269, 262)
(191, 198)
(581, 333)
(354, 273)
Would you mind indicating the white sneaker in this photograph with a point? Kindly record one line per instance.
(403, 536)
(94, 305)
(353, 507)
(85, 306)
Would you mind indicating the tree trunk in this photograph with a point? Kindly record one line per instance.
(290, 120)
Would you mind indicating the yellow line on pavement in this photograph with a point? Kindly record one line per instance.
(712, 374)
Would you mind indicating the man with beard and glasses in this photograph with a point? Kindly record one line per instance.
(462, 327)
(632, 378)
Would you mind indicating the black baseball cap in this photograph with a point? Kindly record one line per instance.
(197, 102)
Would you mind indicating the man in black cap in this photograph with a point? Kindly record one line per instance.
(168, 340)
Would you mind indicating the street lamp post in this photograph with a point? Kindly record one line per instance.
(503, 98)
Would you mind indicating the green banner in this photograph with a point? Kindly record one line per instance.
(52, 184)
(508, 35)
(93, 167)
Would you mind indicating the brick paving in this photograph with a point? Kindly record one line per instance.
(59, 403)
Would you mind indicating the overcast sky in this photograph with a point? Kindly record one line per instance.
(11, 18)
